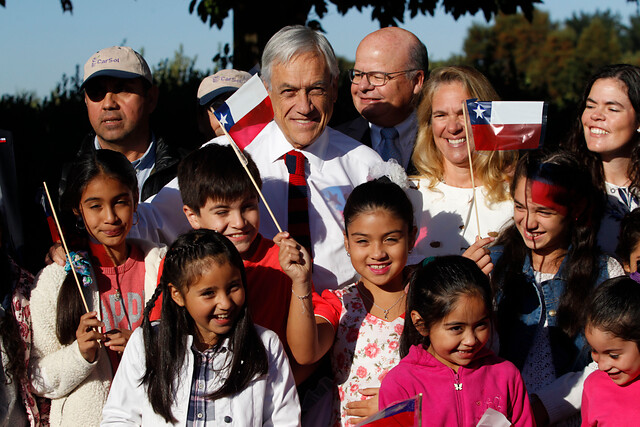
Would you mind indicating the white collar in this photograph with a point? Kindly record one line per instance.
(315, 153)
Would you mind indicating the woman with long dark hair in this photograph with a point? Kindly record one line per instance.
(606, 138)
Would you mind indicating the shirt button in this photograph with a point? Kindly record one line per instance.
(552, 313)
(199, 415)
(227, 419)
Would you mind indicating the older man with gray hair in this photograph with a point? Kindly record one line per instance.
(307, 168)
(300, 71)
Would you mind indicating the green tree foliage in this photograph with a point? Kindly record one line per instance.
(255, 22)
(541, 59)
(175, 115)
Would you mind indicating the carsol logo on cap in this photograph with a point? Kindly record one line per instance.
(98, 61)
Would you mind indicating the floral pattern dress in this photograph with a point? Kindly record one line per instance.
(18, 301)
(364, 351)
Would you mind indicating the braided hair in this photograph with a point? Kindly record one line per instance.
(190, 256)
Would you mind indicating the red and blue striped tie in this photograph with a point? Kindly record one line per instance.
(298, 199)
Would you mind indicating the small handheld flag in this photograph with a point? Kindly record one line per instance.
(507, 125)
(242, 117)
(246, 112)
(42, 199)
(64, 245)
(407, 413)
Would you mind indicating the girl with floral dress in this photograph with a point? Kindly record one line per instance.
(362, 322)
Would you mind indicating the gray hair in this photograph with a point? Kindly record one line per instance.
(292, 41)
(419, 60)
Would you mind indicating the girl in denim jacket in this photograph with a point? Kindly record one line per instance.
(546, 266)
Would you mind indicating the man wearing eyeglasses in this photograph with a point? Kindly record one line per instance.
(120, 97)
(386, 81)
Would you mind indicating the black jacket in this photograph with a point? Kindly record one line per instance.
(164, 170)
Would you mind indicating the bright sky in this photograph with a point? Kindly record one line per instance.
(40, 43)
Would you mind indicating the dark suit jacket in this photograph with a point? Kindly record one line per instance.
(12, 232)
(360, 130)
(357, 129)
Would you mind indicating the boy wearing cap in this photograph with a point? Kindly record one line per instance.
(213, 91)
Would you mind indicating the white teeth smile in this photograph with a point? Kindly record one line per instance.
(532, 235)
(457, 141)
(598, 131)
(222, 316)
(378, 267)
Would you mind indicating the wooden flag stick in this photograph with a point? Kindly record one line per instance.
(64, 245)
(473, 183)
(244, 162)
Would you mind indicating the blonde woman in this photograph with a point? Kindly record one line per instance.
(444, 195)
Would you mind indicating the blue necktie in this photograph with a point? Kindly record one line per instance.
(389, 145)
(627, 197)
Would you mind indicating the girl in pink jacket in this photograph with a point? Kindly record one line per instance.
(611, 395)
(447, 326)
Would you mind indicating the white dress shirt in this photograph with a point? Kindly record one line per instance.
(407, 131)
(269, 400)
(336, 164)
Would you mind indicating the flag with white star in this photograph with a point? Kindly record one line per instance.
(246, 112)
(507, 125)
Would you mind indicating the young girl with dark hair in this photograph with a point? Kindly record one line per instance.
(606, 137)
(204, 363)
(444, 352)
(361, 323)
(612, 393)
(76, 353)
(546, 266)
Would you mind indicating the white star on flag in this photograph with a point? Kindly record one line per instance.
(223, 119)
(479, 112)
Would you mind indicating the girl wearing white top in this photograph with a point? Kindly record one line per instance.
(205, 363)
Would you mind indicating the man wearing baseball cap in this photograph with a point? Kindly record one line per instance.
(120, 97)
(212, 92)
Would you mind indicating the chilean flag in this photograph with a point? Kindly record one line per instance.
(407, 413)
(507, 125)
(246, 112)
(41, 198)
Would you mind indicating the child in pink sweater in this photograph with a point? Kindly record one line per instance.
(611, 395)
(447, 325)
